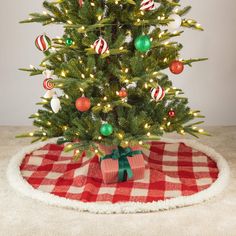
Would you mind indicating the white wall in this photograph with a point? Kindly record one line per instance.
(209, 85)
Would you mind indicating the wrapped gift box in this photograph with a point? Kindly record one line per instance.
(122, 164)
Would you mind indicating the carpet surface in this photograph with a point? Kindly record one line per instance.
(171, 170)
(23, 216)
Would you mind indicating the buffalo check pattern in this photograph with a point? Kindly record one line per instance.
(172, 170)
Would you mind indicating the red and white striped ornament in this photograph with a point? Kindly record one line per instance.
(147, 5)
(100, 46)
(48, 84)
(158, 93)
(43, 42)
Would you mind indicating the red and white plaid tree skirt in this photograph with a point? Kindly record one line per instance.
(172, 170)
(178, 173)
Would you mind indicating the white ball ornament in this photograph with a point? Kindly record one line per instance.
(55, 104)
(158, 93)
(175, 23)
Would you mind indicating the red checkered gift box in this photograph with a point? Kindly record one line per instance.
(171, 170)
(122, 164)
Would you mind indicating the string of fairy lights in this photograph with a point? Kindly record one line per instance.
(105, 101)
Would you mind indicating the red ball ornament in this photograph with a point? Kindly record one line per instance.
(48, 84)
(123, 93)
(171, 113)
(83, 104)
(176, 67)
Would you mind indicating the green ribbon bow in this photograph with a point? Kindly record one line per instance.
(121, 155)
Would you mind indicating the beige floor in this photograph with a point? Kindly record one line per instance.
(22, 216)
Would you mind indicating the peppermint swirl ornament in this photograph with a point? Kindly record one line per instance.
(158, 93)
(43, 42)
(100, 46)
(147, 5)
(48, 84)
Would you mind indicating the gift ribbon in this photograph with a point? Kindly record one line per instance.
(121, 155)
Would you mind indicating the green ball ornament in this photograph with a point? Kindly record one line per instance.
(69, 41)
(143, 43)
(106, 129)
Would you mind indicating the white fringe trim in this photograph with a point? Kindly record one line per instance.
(18, 182)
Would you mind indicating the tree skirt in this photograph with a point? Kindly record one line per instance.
(178, 173)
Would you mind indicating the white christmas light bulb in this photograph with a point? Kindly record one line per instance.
(55, 104)
(176, 23)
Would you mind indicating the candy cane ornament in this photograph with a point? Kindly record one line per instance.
(158, 93)
(43, 42)
(100, 46)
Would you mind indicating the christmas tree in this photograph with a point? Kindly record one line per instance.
(105, 76)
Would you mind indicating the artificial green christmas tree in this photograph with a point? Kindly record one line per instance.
(110, 65)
